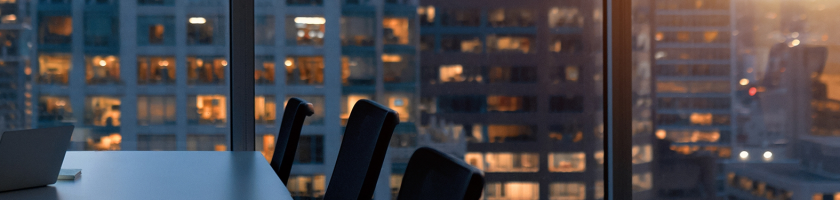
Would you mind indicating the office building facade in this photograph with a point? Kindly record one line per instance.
(154, 74)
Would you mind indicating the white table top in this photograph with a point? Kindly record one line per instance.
(162, 175)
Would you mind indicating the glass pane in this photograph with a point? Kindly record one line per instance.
(151, 79)
(738, 98)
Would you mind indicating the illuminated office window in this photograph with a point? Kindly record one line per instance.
(103, 142)
(566, 44)
(510, 43)
(512, 162)
(357, 30)
(451, 73)
(498, 103)
(265, 111)
(510, 133)
(156, 142)
(692, 86)
(54, 109)
(206, 70)
(567, 162)
(156, 110)
(567, 191)
(642, 182)
(512, 191)
(202, 142)
(264, 70)
(461, 43)
(318, 105)
(102, 111)
(565, 17)
(265, 144)
(205, 30)
(305, 30)
(505, 17)
(54, 69)
(207, 110)
(305, 70)
(155, 70)
(55, 30)
(396, 30)
(642, 153)
(475, 159)
(307, 186)
(102, 70)
(566, 133)
(347, 103)
(400, 102)
(427, 15)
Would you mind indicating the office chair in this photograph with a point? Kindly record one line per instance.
(287, 139)
(432, 174)
(362, 151)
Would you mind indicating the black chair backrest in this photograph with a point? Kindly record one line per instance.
(287, 139)
(432, 174)
(362, 151)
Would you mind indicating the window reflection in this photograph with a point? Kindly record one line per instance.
(54, 68)
(305, 70)
(155, 70)
(102, 111)
(206, 70)
(103, 142)
(102, 70)
(305, 31)
(207, 110)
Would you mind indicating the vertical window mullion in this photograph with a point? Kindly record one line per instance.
(618, 115)
(241, 29)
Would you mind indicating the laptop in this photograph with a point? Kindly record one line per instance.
(32, 158)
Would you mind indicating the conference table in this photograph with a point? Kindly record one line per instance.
(146, 175)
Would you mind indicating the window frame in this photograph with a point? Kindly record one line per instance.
(617, 69)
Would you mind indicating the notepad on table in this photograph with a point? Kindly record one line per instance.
(69, 174)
